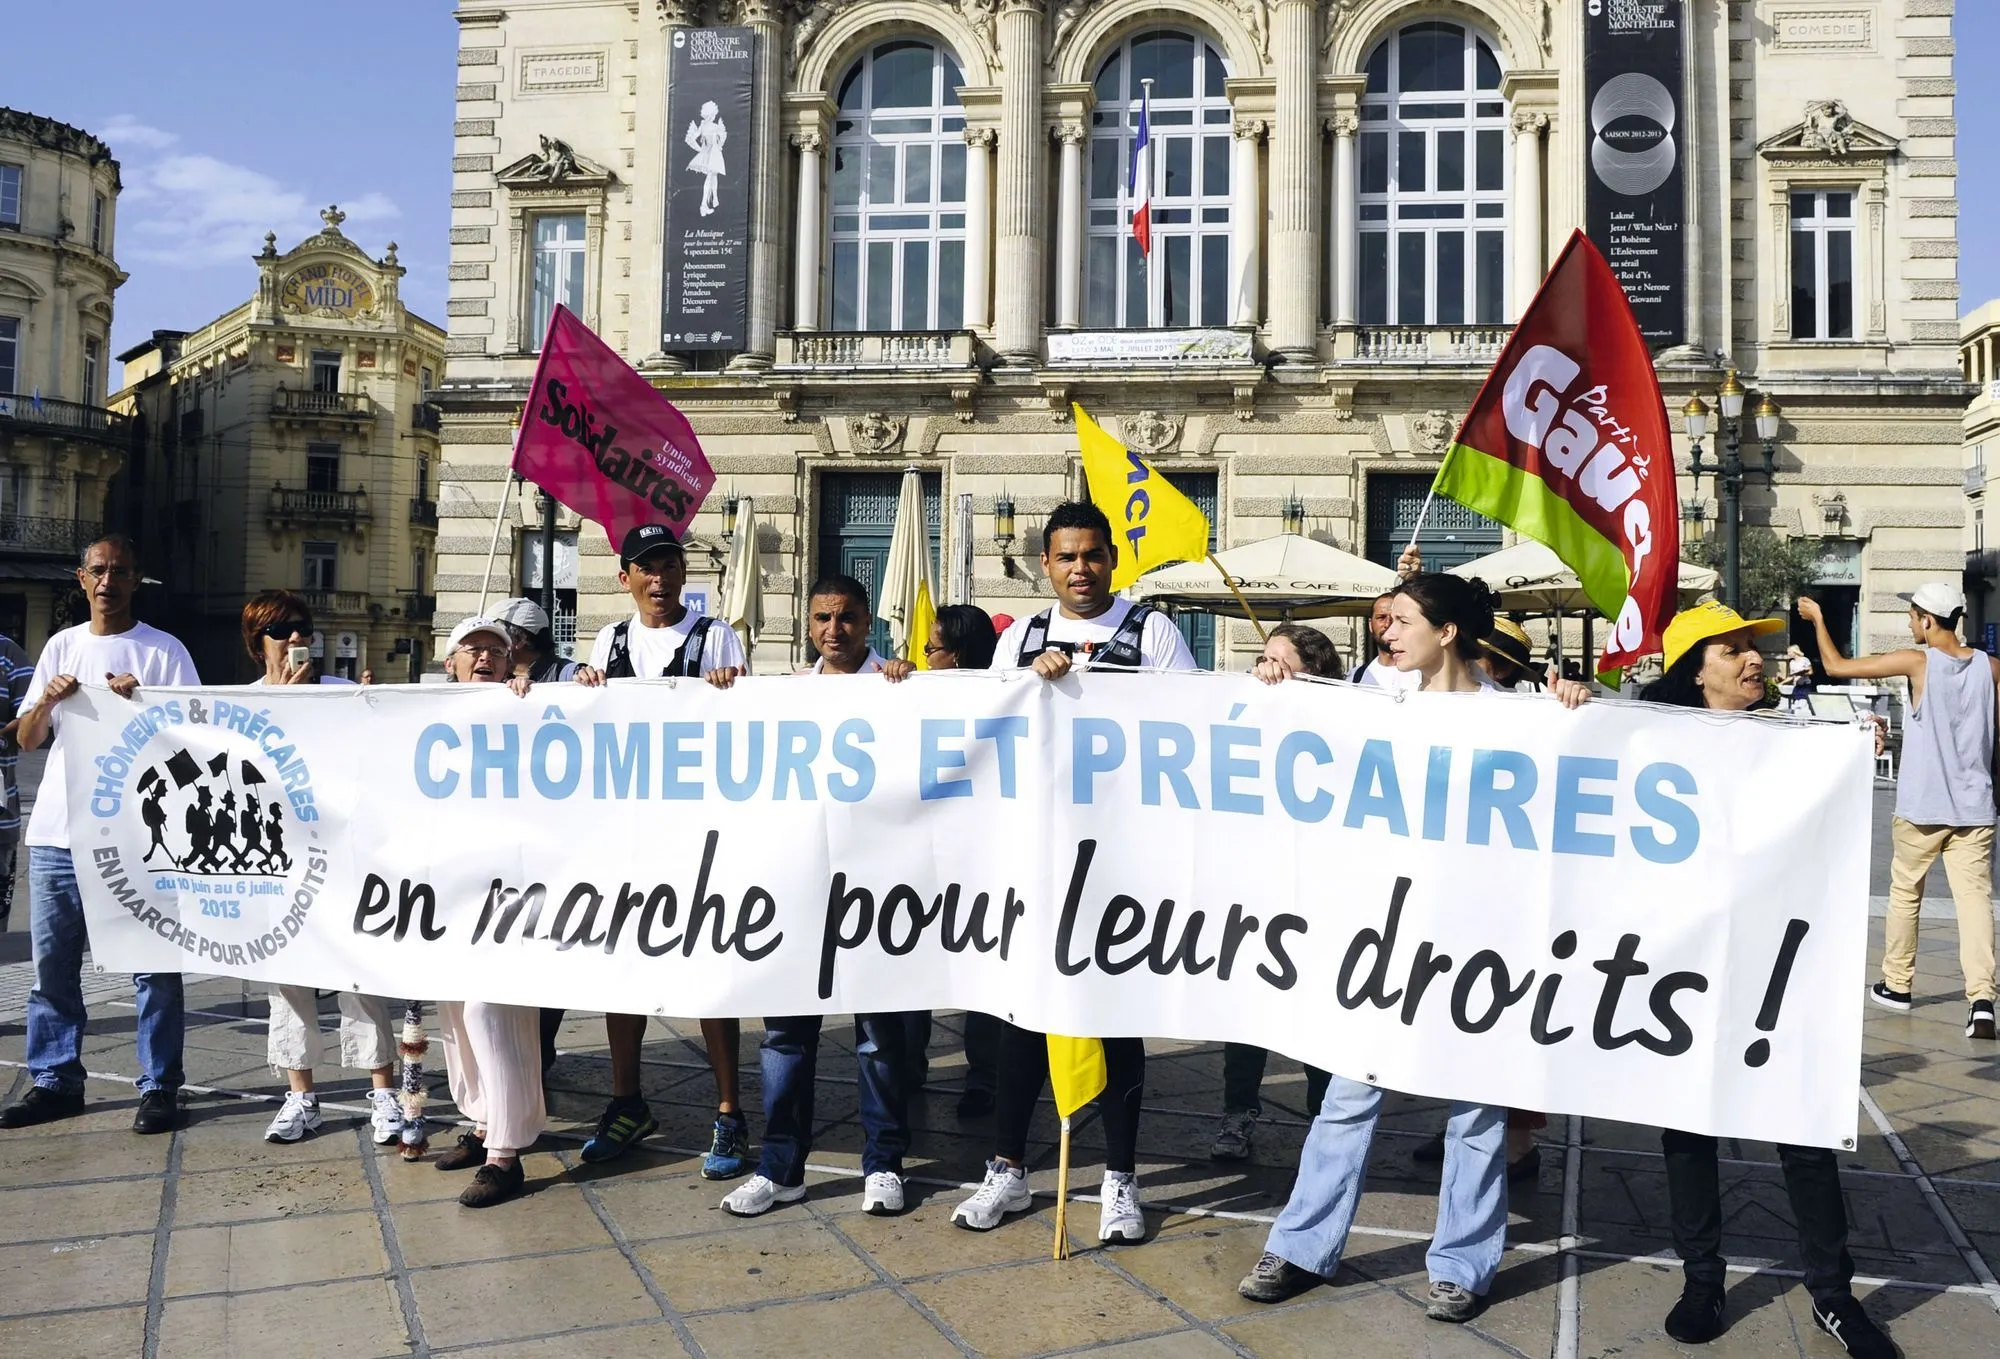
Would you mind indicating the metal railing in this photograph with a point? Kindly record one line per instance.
(1430, 344)
(292, 503)
(425, 416)
(70, 417)
(23, 533)
(419, 608)
(921, 349)
(336, 603)
(351, 405)
(423, 512)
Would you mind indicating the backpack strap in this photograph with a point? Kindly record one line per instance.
(687, 660)
(618, 665)
(1126, 647)
(1035, 640)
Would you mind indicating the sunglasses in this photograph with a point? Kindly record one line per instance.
(286, 627)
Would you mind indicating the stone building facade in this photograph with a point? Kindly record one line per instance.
(1979, 361)
(59, 445)
(938, 265)
(289, 444)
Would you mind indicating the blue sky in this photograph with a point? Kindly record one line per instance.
(231, 118)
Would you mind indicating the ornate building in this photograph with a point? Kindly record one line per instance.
(289, 443)
(59, 445)
(1352, 200)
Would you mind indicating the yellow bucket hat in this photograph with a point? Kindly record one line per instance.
(1708, 620)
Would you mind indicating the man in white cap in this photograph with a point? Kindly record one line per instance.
(1944, 799)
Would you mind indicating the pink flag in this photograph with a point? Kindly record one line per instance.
(600, 438)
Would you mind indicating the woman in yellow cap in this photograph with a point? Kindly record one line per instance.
(1712, 662)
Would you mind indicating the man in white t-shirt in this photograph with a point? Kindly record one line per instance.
(1092, 629)
(663, 637)
(116, 650)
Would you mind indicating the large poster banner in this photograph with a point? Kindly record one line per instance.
(1635, 201)
(705, 301)
(1624, 912)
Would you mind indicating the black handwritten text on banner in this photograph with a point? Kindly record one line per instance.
(1623, 912)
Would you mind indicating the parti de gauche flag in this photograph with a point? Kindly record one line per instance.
(1568, 444)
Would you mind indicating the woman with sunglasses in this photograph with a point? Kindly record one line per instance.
(1713, 663)
(277, 635)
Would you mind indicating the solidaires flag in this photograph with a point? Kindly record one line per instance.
(1152, 524)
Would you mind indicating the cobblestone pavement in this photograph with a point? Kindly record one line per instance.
(213, 1242)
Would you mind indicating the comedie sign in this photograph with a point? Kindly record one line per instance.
(1604, 912)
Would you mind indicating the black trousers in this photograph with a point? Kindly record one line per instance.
(1024, 1070)
(982, 1046)
(1812, 1182)
(1243, 1080)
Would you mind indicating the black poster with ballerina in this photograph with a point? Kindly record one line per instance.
(1635, 195)
(705, 300)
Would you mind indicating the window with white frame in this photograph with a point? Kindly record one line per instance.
(1433, 180)
(1823, 264)
(556, 271)
(10, 195)
(899, 192)
(10, 354)
(93, 362)
(317, 569)
(1186, 280)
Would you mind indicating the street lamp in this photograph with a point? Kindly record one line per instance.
(1003, 523)
(1294, 515)
(1728, 468)
(730, 506)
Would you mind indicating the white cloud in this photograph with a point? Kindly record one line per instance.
(187, 210)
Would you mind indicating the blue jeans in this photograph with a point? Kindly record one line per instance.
(1472, 1200)
(788, 1060)
(56, 1016)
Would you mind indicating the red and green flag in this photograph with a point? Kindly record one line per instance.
(1567, 443)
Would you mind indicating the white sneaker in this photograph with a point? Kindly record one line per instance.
(759, 1195)
(297, 1120)
(1120, 1218)
(386, 1117)
(1003, 1191)
(882, 1193)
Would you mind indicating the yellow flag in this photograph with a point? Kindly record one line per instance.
(1152, 524)
(1076, 1071)
(921, 618)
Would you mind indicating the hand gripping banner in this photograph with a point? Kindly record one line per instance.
(1604, 912)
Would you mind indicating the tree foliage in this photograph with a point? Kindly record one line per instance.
(1775, 569)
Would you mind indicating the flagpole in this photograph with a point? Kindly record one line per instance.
(1061, 1249)
(506, 494)
(1152, 169)
(1249, 612)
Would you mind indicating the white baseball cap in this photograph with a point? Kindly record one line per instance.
(522, 613)
(474, 625)
(1938, 598)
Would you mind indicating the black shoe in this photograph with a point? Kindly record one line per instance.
(159, 1111)
(1430, 1151)
(1844, 1320)
(1528, 1166)
(470, 1151)
(1979, 1020)
(42, 1105)
(1274, 1279)
(976, 1102)
(1887, 999)
(1697, 1317)
(493, 1184)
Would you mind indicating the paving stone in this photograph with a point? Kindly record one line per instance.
(1623, 1304)
(79, 1211)
(266, 1191)
(273, 1254)
(786, 1259)
(1179, 1345)
(76, 1335)
(421, 1181)
(357, 1320)
(923, 1242)
(91, 1272)
(29, 1161)
(654, 1341)
(1056, 1304)
(862, 1326)
(1197, 1263)
(554, 1217)
(233, 1139)
(519, 1299)
(1361, 1320)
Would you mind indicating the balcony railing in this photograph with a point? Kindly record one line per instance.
(423, 512)
(322, 405)
(918, 349)
(425, 416)
(1430, 344)
(24, 410)
(29, 535)
(292, 505)
(419, 608)
(336, 603)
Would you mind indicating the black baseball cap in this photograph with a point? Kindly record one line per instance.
(644, 539)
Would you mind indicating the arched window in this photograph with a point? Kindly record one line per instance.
(1434, 180)
(1187, 281)
(899, 192)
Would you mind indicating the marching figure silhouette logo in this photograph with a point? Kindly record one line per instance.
(214, 818)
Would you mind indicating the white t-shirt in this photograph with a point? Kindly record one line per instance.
(1160, 643)
(1379, 674)
(653, 649)
(871, 666)
(140, 650)
(323, 679)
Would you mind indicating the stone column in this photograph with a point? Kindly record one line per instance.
(1069, 226)
(1346, 243)
(806, 233)
(1527, 198)
(1017, 330)
(649, 207)
(1294, 196)
(978, 227)
(1246, 220)
(767, 181)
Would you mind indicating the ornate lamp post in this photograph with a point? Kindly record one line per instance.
(1729, 469)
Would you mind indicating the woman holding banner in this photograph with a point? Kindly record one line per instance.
(1713, 663)
(1436, 624)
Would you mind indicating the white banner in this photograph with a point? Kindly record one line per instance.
(1625, 912)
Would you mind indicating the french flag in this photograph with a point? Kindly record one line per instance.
(1142, 179)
